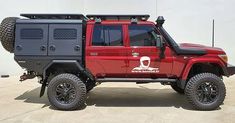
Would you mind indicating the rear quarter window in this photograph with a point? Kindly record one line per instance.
(107, 35)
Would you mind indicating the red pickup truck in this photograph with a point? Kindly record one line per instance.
(72, 53)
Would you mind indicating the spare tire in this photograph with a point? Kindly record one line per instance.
(7, 33)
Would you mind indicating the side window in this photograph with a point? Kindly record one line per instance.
(142, 35)
(107, 35)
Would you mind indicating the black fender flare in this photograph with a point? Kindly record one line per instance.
(74, 62)
(83, 70)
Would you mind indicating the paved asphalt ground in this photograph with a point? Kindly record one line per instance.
(110, 103)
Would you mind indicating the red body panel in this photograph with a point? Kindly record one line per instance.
(105, 61)
(164, 65)
(120, 61)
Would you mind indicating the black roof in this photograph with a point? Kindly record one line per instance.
(54, 16)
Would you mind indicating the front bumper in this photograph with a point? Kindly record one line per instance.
(230, 70)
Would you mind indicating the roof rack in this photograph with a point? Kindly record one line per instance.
(55, 16)
(119, 17)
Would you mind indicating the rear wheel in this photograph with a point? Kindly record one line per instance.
(66, 92)
(205, 91)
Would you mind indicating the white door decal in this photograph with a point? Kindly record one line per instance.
(145, 68)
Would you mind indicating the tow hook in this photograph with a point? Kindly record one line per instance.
(28, 75)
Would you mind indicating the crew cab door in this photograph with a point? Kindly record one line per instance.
(106, 52)
(143, 53)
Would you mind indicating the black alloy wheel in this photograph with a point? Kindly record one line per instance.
(207, 92)
(65, 93)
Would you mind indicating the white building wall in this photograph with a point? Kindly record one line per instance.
(191, 21)
(121, 7)
(186, 20)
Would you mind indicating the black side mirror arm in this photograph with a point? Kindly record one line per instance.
(162, 46)
(162, 50)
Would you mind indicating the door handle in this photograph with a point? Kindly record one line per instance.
(19, 47)
(43, 48)
(77, 48)
(135, 54)
(52, 48)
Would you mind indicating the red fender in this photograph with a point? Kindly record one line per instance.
(201, 60)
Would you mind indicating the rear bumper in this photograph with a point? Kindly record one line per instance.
(230, 70)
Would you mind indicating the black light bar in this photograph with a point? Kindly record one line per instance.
(119, 17)
(54, 16)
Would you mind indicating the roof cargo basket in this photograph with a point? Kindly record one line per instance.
(119, 17)
(54, 16)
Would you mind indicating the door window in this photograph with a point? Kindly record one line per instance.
(107, 35)
(142, 35)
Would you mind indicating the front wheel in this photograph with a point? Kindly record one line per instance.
(205, 91)
(66, 92)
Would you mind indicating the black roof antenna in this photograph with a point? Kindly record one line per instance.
(213, 33)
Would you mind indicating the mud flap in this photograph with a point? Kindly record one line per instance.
(181, 83)
(43, 89)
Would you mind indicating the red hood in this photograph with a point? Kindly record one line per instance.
(212, 50)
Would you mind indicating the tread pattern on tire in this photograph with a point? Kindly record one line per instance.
(7, 33)
(81, 86)
(191, 96)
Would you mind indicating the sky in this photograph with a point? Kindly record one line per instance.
(186, 20)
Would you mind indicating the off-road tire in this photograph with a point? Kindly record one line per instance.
(195, 82)
(7, 33)
(177, 89)
(80, 92)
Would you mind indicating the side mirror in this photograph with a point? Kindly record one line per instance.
(161, 44)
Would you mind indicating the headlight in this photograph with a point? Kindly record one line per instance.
(224, 57)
